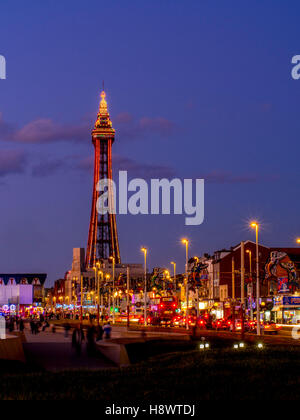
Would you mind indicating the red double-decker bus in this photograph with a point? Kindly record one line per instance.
(165, 311)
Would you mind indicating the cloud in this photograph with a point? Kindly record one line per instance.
(47, 167)
(134, 168)
(12, 162)
(129, 127)
(224, 177)
(265, 107)
(6, 129)
(123, 118)
(142, 170)
(85, 163)
(47, 131)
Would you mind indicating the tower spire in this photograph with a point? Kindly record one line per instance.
(103, 119)
(103, 237)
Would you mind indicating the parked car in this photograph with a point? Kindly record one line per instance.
(270, 328)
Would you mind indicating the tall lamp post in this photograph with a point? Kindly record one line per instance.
(186, 243)
(255, 226)
(144, 250)
(98, 265)
(197, 290)
(101, 292)
(251, 284)
(107, 277)
(114, 263)
(174, 266)
(95, 268)
(81, 297)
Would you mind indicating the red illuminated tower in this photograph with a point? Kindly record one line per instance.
(103, 237)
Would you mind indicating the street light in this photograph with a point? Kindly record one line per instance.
(144, 250)
(175, 285)
(107, 276)
(186, 243)
(254, 225)
(197, 288)
(114, 262)
(298, 241)
(98, 265)
(96, 275)
(81, 297)
(251, 284)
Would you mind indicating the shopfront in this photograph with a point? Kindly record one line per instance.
(287, 310)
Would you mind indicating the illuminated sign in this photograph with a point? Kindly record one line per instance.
(291, 300)
(11, 308)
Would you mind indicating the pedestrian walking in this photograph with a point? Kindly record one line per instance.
(11, 325)
(21, 325)
(107, 330)
(90, 337)
(32, 326)
(67, 329)
(77, 339)
(100, 333)
(46, 325)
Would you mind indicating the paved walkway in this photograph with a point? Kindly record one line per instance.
(54, 352)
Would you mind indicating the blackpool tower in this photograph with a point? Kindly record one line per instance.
(103, 237)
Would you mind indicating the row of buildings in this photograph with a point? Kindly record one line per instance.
(215, 282)
(279, 273)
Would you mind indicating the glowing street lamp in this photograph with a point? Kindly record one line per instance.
(145, 251)
(248, 251)
(255, 225)
(197, 289)
(95, 269)
(174, 265)
(298, 241)
(186, 243)
(98, 265)
(107, 277)
(114, 263)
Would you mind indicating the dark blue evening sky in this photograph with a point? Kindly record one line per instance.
(195, 89)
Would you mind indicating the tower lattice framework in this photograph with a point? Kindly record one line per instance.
(103, 237)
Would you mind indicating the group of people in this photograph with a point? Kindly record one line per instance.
(15, 324)
(93, 335)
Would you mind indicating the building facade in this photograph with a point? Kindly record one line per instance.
(279, 274)
(22, 290)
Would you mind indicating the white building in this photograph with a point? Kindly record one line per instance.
(73, 277)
